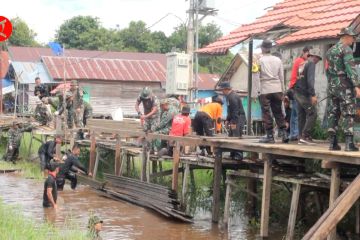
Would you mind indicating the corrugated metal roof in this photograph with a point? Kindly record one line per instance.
(28, 71)
(105, 69)
(207, 81)
(314, 19)
(34, 54)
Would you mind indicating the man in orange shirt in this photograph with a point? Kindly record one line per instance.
(203, 123)
(294, 129)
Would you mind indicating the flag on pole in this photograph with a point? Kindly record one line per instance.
(56, 48)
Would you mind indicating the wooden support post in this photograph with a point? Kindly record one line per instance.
(118, 159)
(143, 161)
(265, 204)
(185, 184)
(128, 162)
(227, 201)
(148, 166)
(96, 164)
(58, 132)
(335, 213)
(334, 193)
(92, 152)
(192, 178)
(293, 211)
(72, 139)
(357, 215)
(216, 185)
(176, 161)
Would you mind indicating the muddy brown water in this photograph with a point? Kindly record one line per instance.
(122, 220)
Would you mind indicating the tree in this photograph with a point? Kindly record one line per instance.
(22, 35)
(136, 37)
(82, 32)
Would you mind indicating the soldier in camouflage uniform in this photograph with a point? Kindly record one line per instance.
(69, 108)
(150, 117)
(95, 226)
(14, 140)
(174, 102)
(88, 112)
(42, 114)
(167, 114)
(343, 87)
(78, 103)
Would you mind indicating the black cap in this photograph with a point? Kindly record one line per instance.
(267, 44)
(218, 100)
(53, 165)
(307, 48)
(185, 109)
(224, 85)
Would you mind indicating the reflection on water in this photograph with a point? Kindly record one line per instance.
(121, 220)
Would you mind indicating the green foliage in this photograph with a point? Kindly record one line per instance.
(319, 132)
(81, 32)
(22, 35)
(13, 225)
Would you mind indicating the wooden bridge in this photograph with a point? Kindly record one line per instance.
(261, 155)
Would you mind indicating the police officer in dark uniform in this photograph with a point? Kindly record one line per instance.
(235, 115)
(40, 89)
(47, 152)
(68, 169)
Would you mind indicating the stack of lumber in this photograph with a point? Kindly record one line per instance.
(158, 198)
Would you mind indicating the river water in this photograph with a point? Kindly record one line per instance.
(122, 220)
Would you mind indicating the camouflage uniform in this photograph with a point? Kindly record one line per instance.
(14, 140)
(78, 107)
(69, 107)
(174, 103)
(88, 112)
(150, 123)
(42, 114)
(164, 125)
(342, 78)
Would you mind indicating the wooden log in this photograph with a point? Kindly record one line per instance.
(118, 158)
(143, 161)
(335, 213)
(227, 201)
(216, 185)
(334, 193)
(265, 204)
(293, 211)
(92, 152)
(176, 161)
(148, 166)
(185, 184)
(96, 165)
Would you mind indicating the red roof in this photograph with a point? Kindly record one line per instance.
(312, 19)
(34, 54)
(78, 68)
(207, 81)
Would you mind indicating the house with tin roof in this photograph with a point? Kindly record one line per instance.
(293, 24)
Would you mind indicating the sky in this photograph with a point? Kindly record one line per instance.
(46, 16)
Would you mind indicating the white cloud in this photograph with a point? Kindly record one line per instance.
(45, 16)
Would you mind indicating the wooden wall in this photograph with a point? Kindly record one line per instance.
(106, 96)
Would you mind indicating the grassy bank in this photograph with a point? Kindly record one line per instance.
(28, 169)
(13, 225)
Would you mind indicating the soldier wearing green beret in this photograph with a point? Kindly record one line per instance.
(95, 226)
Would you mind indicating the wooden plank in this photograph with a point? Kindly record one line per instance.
(265, 203)
(227, 201)
(185, 184)
(176, 161)
(216, 185)
(148, 166)
(335, 213)
(165, 173)
(118, 158)
(293, 211)
(92, 152)
(58, 132)
(334, 193)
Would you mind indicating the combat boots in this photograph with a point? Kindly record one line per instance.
(285, 136)
(349, 144)
(334, 145)
(269, 138)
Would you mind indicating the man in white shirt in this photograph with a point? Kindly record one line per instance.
(271, 93)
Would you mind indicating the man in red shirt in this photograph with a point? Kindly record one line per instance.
(180, 127)
(294, 129)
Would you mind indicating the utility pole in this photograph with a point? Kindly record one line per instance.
(190, 47)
